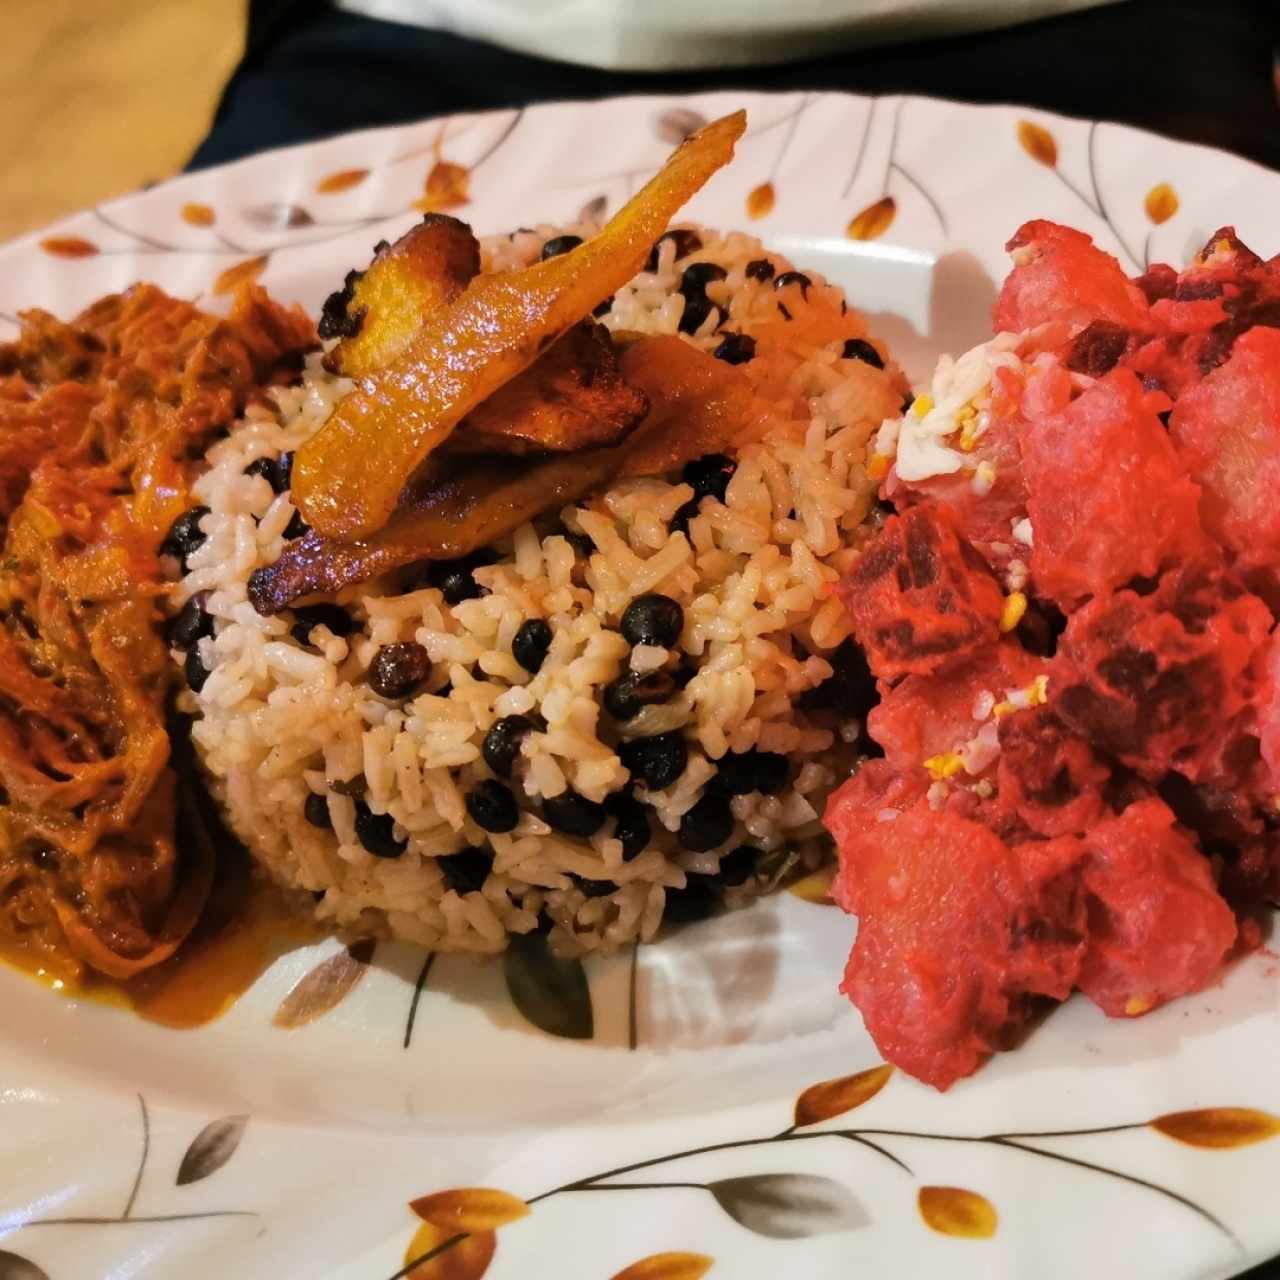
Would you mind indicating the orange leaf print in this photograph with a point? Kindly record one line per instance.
(446, 186)
(760, 200)
(668, 1266)
(815, 887)
(874, 220)
(468, 1259)
(1218, 1128)
(470, 1209)
(343, 180)
(953, 1211)
(199, 215)
(69, 247)
(1161, 203)
(242, 273)
(1038, 143)
(834, 1097)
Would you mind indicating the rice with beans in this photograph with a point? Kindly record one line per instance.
(314, 769)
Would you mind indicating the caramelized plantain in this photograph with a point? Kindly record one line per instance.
(380, 310)
(347, 478)
(571, 397)
(699, 405)
(479, 501)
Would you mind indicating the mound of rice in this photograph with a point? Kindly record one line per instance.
(280, 720)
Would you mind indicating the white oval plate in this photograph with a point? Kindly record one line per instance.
(245, 1150)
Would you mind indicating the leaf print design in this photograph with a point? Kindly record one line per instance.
(446, 187)
(550, 992)
(594, 210)
(471, 1209)
(343, 180)
(211, 1148)
(815, 887)
(1161, 203)
(1218, 1128)
(675, 124)
(277, 216)
(69, 247)
(668, 1266)
(833, 1098)
(325, 987)
(446, 1257)
(199, 215)
(242, 273)
(874, 220)
(953, 1211)
(789, 1206)
(760, 200)
(13, 1267)
(1038, 143)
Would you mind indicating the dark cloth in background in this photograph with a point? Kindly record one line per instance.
(1200, 70)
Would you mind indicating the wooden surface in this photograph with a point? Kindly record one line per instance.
(98, 97)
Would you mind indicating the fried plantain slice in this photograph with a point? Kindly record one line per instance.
(571, 397)
(477, 502)
(698, 405)
(378, 311)
(348, 477)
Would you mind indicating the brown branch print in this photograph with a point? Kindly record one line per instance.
(873, 221)
(1160, 205)
(212, 1147)
(418, 987)
(447, 184)
(789, 1205)
(761, 198)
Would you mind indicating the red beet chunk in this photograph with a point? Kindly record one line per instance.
(1049, 780)
(1159, 281)
(1227, 430)
(1190, 315)
(1158, 928)
(983, 519)
(1225, 249)
(1201, 312)
(918, 596)
(1252, 875)
(1267, 713)
(856, 805)
(1097, 348)
(953, 933)
(1060, 274)
(1150, 679)
(1108, 498)
(1220, 817)
(926, 716)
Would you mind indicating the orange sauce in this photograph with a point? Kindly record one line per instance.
(244, 931)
